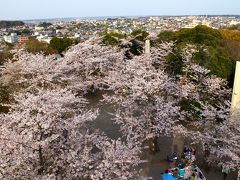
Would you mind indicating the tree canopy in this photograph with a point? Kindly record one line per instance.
(45, 24)
(60, 44)
(9, 24)
(112, 38)
(211, 50)
(35, 46)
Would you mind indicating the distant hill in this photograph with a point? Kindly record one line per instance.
(9, 24)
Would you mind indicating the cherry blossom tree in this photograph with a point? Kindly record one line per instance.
(45, 135)
(39, 133)
(214, 128)
(82, 68)
(143, 95)
(27, 70)
(148, 103)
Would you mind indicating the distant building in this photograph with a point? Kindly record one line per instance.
(77, 35)
(13, 38)
(36, 33)
(234, 22)
(205, 23)
(45, 38)
(23, 39)
(39, 28)
(193, 24)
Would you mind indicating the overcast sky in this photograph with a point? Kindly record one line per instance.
(39, 9)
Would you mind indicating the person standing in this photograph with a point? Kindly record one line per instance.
(225, 171)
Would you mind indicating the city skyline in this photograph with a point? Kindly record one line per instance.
(28, 9)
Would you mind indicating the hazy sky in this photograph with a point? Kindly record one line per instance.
(35, 9)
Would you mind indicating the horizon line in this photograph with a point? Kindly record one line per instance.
(113, 16)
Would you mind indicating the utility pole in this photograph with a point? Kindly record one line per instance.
(147, 46)
(236, 90)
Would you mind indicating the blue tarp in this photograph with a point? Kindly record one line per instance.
(167, 176)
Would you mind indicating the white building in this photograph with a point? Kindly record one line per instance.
(39, 28)
(206, 23)
(234, 22)
(13, 38)
(36, 33)
(77, 35)
(45, 38)
(194, 23)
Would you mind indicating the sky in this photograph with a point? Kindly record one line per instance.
(41, 9)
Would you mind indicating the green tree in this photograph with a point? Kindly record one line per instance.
(139, 34)
(4, 56)
(200, 35)
(26, 31)
(21, 32)
(212, 53)
(135, 47)
(167, 36)
(45, 24)
(9, 24)
(5, 52)
(112, 38)
(34, 46)
(174, 62)
(5, 97)
(60, 44)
